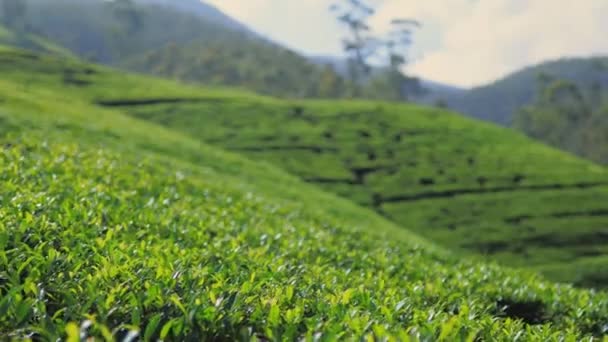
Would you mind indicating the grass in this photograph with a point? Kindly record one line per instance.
(116, 227)
(463, 184)
(457, 182)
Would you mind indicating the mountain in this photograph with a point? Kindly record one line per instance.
(116, 228)
(204, 10)
(181, 40)
(499, 101)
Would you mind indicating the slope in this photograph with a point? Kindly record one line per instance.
(155, 38)
(117, 228)
(244, 63)
(30, 42)
(464, 184)
(204, 10)
(499, 101)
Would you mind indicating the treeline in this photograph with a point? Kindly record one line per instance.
(164, 41)
(570, 116)
(499, 101)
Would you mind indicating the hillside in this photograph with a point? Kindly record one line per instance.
(499, 101)
(186, 41)
(467, 185)
(30, 42)
(115, 227)
(252, 65)
(464, 184)
(570, 117)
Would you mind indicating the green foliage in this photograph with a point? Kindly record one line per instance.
(466, 185)
(569, 117)
(238, 63)
(161, 41)
(499, 101)
(117, 228)
(430, 171)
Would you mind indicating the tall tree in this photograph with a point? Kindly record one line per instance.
(359, 44)
(397, 45)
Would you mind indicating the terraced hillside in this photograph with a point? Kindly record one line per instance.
(454, 181)
(466, 185)
(118, 228)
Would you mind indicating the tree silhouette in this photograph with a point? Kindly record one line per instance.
(359, 45)
(397, 44)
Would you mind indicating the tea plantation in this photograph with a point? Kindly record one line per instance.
(460, 183)
(117, 228)
(466, 185)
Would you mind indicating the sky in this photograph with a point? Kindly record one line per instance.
(461, 42)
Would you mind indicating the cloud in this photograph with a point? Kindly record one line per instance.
(486, 39)
(463, 42)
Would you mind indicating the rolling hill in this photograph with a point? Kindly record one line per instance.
(117, 228)
(179, 40)
(466, 185)
(499, 101)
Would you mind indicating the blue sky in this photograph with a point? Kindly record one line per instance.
(462, 42)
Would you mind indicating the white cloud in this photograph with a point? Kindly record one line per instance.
(485, 39)
(465, 42)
